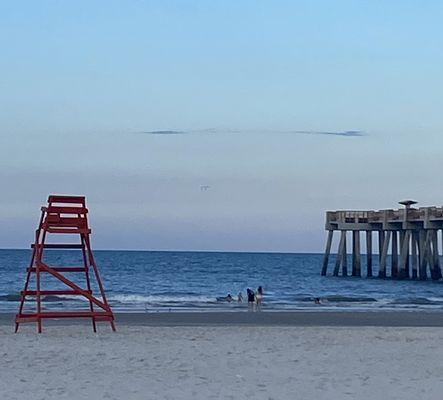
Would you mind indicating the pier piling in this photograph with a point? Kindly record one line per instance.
(356, 262)
(394, 255)
(345, 257)
(341, 248)
(368, 253)
(327, 253)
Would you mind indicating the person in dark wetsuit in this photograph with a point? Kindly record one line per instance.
(251, 296)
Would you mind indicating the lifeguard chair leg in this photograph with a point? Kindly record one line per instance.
(31, 264)
(88, 283)
(97, 277)
(22, 295)
(40, 252)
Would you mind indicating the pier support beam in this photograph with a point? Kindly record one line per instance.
(341, 248)
(394, 255)
(381, 240)
(356, 261)
(344, 261)
(404, 255)
(369, 254)
(324, 269)
(425, 251)
(414, 256)
(422, 240)
(384, 255)
(436, 270)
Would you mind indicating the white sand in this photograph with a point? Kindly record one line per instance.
(222, 363)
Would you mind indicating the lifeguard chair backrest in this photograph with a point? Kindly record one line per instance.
(66, 212)
(80, 201)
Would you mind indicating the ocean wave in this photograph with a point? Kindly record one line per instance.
(349, 299)
(195, 300)
(10, 297)
(331, 299)
(159, 299)
(418, 301)
(124, 298)
(49, 298)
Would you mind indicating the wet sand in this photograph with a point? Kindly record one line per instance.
(293, 318)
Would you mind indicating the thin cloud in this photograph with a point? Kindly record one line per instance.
(165, 132)
(192, 131)
(350, 133)
(334, 133)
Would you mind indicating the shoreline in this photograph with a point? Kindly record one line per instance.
(274, 318)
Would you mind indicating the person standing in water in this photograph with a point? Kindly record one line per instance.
(240, 298)
(259, 296)
(251, 298)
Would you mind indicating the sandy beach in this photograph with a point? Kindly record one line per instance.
(254, 357)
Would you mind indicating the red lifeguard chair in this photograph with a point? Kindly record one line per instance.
(63, 215)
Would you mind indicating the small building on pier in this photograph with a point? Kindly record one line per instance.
(408, 242)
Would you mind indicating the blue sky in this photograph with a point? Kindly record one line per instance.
(83, 82)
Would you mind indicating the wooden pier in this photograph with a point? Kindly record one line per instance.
(408, 242)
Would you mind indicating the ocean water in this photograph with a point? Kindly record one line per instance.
(190, 281)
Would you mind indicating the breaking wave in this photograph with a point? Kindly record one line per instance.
(161, 298)
(199, 301)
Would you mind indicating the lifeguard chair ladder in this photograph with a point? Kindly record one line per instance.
(63, 215)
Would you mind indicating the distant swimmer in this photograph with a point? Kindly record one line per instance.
(240, 298)
(317, 300)
(227, 298)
